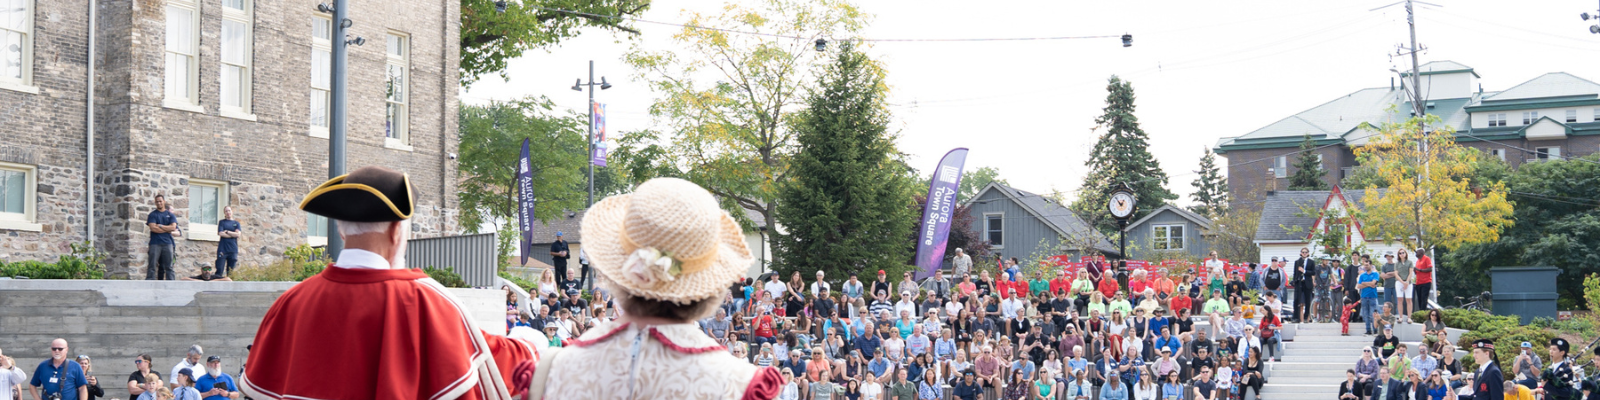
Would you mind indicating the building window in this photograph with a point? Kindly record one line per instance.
(321, 74)
(18, 183)
(398, 71)
(1529, 116)
(1572, 115)
(237, 27)
(1166, 237)
(1497, 119)
(1597, 115)
(1280, 167)
(206, 200)
(316, 230)
(994, 230)
(1547, 153)
(182, 70)
(16, 45)
(1498, 153)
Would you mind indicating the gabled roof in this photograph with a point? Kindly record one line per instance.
(569, 223)
(1286, 209)
(1186, 214)
(1554, 84)
(1057, 217)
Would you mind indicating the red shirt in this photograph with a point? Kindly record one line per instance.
(1060, 285)
(1003, 288)
(1179, 302)
(1424, 270)
(1108, 287)
(1022, 288)
(1138, 287)
(764, 326)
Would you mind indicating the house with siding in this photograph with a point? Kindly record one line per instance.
(1167, 233)
(1021, 224)
(1289, 219)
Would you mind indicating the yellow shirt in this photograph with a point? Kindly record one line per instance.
(1522, 394)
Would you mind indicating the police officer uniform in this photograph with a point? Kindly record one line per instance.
(1560, 383)
(1489, 383)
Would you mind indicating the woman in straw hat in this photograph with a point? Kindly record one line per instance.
(666, 252)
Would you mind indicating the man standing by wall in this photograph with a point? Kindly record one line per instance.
(558, 255)
(163, 226)
(58, 375)
(228, 246)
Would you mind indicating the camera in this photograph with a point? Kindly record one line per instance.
(54, 396)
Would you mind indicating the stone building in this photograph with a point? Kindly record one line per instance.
(1552, 116)
(213, 103)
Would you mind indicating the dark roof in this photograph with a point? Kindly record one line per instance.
(1285, 210)
(569, 223)
(1056, 216)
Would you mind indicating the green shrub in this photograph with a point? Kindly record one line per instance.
(526, 285)
(298, 263)
(1464, 319)
(446, 277)
(1508, 335)
(65, 267)
(280, 271)
(1583, 327)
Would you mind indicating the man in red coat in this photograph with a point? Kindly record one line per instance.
(367, 327)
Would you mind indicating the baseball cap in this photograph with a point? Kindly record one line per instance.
(213, 358)
(1527, 345)
(558, 233)
(1388, 254)
(1274, 258)
(572, 292)
(880, 272)
(189, 372)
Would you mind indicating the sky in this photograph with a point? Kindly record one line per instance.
(1201, 70)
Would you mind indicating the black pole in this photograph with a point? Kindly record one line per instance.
(336, 111)
(1122, 236)
(590, 159)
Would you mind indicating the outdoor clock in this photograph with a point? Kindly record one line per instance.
(1121, 204)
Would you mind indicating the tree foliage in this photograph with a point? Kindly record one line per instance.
(975, 180)
(489, 39)
(726, 101)
(1429, 200)
(1308, 172)
(1210, 188)
(491, 141)
(1234, 233)
(1558, 224)
(964, 234)
(1121, 156)
(843, 197)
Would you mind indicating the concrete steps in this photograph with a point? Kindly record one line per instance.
(1313, 363)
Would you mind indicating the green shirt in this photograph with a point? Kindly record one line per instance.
(1124, 305)
(1038, 286)
(1082, 286)
(902, 391)
(1216, 305)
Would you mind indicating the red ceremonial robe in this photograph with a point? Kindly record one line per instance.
(377, 334)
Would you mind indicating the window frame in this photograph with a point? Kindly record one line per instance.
(1547, 153)
(1501, 153)
(191, 101)
(324, 46)
(28, 219)
(25, 83)
(400, 128)
(312, 237)
(1497, 119)
(1529, 117)
(987, 231)
(200, 231)
(1280, 167)
(246, 18)
(1166, 239)
(1572, 115)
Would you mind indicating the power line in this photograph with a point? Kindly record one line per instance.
(1593, 203)
(1567, 158)
(735, 31)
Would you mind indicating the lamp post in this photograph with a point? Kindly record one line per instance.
(337, 104)
(579, 87)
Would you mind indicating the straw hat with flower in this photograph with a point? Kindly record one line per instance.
(666, 241)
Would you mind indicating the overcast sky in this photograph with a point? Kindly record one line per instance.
(1201, 70)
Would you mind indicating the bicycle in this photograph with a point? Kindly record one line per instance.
(1478, 303)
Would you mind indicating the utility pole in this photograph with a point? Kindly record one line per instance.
(336, 107)
(579, 87)
(1419, 109)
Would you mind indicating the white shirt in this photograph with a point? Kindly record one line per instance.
(1009, 307)
(1215, 266)
(816, 290)
(10, 378)
(905, 305)
(871, 389)
(353, 259)
(776, 289)
(197, 369)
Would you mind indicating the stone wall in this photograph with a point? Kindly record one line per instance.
(114, 321)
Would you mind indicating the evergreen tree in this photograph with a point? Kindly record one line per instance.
(844, 206)
(1211, 189)
(1308, 171)
(1121, 156)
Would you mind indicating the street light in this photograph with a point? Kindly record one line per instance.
(579, 87)
(1127, 40)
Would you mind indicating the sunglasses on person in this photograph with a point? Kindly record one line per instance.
(58, 349)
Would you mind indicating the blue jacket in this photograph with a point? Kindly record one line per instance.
(1114, 391)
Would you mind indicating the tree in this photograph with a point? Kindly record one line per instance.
(972, 182)
(1234, 233)
(1558, 224)
(1121, 156)
(1308, 171)
(1429, 201)
(490, 38)
(1210, 189)
(727, 100)
(843, 196)
(491, 142)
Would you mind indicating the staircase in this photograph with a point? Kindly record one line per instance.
(1314, 362)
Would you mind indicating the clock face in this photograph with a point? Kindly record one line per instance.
(1121, 204)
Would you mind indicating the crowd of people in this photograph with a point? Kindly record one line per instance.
(63, 378)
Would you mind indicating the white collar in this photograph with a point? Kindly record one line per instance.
(1485, 366)
(361, 259)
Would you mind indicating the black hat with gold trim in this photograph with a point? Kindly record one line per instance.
(368, 194)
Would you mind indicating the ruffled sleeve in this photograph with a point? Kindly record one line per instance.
(765, 385)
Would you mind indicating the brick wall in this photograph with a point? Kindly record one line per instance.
(269, 163)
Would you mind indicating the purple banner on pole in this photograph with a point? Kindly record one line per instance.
(936, 214)
(525, 201)
(598, 113)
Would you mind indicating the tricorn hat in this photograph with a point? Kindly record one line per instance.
(368, 194)
(666, 241)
